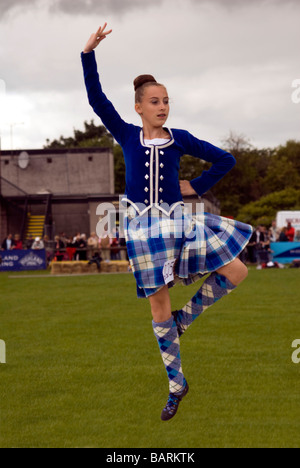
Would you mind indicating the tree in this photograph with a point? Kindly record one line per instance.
(263, 211)
(92, 136)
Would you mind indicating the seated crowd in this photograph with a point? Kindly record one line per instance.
(79, 247)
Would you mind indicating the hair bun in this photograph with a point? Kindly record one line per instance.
(142, 79)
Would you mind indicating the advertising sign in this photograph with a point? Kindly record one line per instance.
(22, 260)
(285, 252)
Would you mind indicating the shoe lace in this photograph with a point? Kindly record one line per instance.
(172, 401)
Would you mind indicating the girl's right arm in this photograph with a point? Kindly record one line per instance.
(97, 99)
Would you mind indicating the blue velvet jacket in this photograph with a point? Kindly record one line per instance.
(152, 171)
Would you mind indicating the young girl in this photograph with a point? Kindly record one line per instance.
(166, 245)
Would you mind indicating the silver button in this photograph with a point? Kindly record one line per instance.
(161, 177)
(161, 201)
(146, 202)
(147, 152)
(146, 189)
(161, 165)
(147, 164)
(161, 190)
(146, 176)
(161, 152)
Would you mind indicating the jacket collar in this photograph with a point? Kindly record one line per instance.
(170, 142)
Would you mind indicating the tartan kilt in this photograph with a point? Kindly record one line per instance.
(192, 245)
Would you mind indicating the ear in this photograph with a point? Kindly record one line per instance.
(138, 108)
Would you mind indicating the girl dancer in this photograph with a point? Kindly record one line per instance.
(166, 245)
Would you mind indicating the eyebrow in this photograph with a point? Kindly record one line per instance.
(156, 97)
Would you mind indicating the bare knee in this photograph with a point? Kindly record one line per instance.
(161, 305)
(235, 271)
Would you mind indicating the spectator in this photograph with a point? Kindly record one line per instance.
(290, 232)
(18, 244)
(123, 250)
(59, 249)
(262, 245)
(8, 243)
(251, 248)
(81, 245)
(71, 249)
(283, 237)
(297, 236)
(29, 242)
(93, 244)
(115, 249)
(105, 247)
(48, 248)
(38, 244)
(97, 260)
(274, 232)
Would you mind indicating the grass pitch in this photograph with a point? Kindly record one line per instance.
(83, 367)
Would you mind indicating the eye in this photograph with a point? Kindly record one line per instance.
(166, 101)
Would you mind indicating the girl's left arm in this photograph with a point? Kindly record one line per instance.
(222, 163)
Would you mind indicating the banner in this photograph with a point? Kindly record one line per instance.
(22, 260)
(285, 252)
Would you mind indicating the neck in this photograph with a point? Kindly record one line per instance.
(151, 133)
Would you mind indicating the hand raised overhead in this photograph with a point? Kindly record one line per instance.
(96, 38)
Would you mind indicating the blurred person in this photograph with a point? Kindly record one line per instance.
(29, 242)
(8, 243)
(59, 247)
(290, 232)
(274, 232)
(18, 244)
(297, 236)
(38, 244)
(282, 236)
(93, 244)
(104, 244)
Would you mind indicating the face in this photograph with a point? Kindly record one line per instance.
(154, 107)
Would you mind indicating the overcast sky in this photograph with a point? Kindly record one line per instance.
(228, 65)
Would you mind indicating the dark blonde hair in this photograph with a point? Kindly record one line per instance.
(142, 82)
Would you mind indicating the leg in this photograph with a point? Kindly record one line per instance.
(235, 271)
(161, 305)
(166, 333)
(216, 286)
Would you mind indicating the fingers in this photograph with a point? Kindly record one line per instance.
(101, 33)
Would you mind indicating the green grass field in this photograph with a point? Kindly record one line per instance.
(83, 368)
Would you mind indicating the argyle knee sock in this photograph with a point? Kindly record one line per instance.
(168, 341)
(214, 288)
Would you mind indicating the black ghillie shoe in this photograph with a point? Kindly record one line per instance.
(171, 407)
(175, 315)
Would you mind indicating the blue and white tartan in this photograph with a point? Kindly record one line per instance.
(197, 244)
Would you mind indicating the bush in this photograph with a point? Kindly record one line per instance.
(264, 210)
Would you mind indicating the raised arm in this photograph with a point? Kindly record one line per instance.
(97, 99)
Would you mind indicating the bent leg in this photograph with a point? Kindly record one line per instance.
(217, 285)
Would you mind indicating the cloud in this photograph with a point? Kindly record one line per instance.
(119, 7)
